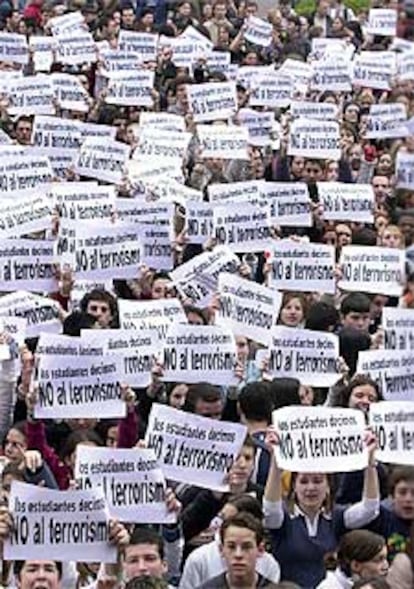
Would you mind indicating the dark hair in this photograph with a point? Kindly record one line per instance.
(364, 236)
(146, 582)
(77, 437)
(289, 296)
(255, 402)
(24, 118)
(243, 520)
(284, 392)
(321, 316)
(100, 294)
(355, 302)
(351, 342)
(19, 564)
(196, 311)
(13, 470)
(147, 536)
(201, 391)
(19, 426)
(247, 504)
(358, 381)
(76, 321)
(359, 545)
(401, 473)
(374, 582)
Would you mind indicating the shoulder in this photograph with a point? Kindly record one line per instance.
(218, 582)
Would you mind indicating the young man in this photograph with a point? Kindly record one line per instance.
(241, 545)
(33, 574)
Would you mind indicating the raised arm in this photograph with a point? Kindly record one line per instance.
(272, 502)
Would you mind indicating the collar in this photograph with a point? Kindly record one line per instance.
(311, 524)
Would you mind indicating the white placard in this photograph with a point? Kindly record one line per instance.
(405, 62)
(324, 111)
(116, 61)
(41, 313)
(132, 89)
(393, 424)
(398, 326)
(371, 269)
(72, 22)
(157, 250)
(32, 95)
(271, 89)
(76, 380)
(258, 31)
(131, 480)
(247, 308)
(333, 74)
(102, 159)
(212, 101)
(81, 287)
(373, 69)
(23, 174)
(404, 170)
(27, 264)
(325, 47)
(259, 125)
(303, 267)
(198, 222)
(249, 190)
(83, 200)
(155, 315)
(386, 121)
(314, 139)
(76, 49)
(55, 134)
(192, 448)
(134, 211)
(95, 131)
(71, 95)
(42, 48)
(13, 48)
(162, 120)
(320, 439)
(382, 22)
(289, 203)
(154, 143)
(143, 44)
(58, 525)
(223, 142)
(246, 231)
(393, 370)
(15, 327)
(347, 202)
(24, 215)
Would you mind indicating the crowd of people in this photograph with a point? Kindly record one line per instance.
(271, 527)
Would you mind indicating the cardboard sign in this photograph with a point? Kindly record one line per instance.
(303, 267)
(153, 315)
(143, 44)
(393, 370)
(59, 525)
(83, 200)
(382, 22)
(13, 48)
(320, 439)
(102, 159)
(32, 95)
(289, 203)
(386, 121)
(223, 142)
(157, 248)
(398, 326)
(247, 308)
(393, 424)
(41, 313)
(55, 134)
(71, 95)
(347, 202)
(192, 448)
(212, 101)
(132, 89)
(247, 231)
(271, 89)
(314, 139)
(131, 210)
(258, 31)
(324, 111)
(95, 131)
(27, 264)
(377, 270)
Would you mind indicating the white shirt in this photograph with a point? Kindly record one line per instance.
(335, 580)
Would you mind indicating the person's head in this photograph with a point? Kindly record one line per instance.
(351, 115)
(351, 342)
(255, 404)
(185, 9)
(297, 165)
(161, 286)
(332, 171)
(284, 392)
(355, 308)
(146, 582)
(322, 7)
(11, 472)
(314, 170)
(382, 187)
(384, 165)
(102, 305)
(402, 491)
(15, 443)
(243, 348)
(378, 302)
(391, 236)
(144, 555)
(241, 545)
(23, 129)
(78, 320)
(38, 574)
(177, 394)
(381, 222)
(242, 468)
(371, 583)
(310, 491)
(343, 235)
(322, 316)
(75, 439)
(293, 309)
(362, 554)
(406, 224)
(204, 399)
(147, 17)
(360, 393)
(195, 316)
(127, 16)
(219, 10)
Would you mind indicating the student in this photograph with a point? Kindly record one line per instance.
(241, 546)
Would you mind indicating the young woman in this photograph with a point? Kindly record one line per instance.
(308, 529)
(293, 310)
(361, 555)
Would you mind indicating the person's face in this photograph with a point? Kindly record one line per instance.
(385, 163)
(240, 551)
(323, 7)
(161, 289)
(311, 490)
(329, 237)
(212, 409)
(390, 238)
(178, 396)
(128, 17)
(313, 172)
(242, 345)
(406, 225)
(306, 395)
(148, 20)
(181, 94)
(15, 445)
(376, 567)
(113, 27)
(143, 559)
(223, 36)
(297, 166)
(194, 318)
(219, 11)
(332, 173)
(347, 138)
(351, 113)
(403, 499)
(356, 320)
(242, 467)
(337, 25)
(377, 305)
(292, 313)
(381, 186)
(380, 223)
(112, 437)
(39, 574)
(251, 59)
(23, 132)
(362, 396)
(251, 10)
(344, 235)
(185, 9)
(101, 311)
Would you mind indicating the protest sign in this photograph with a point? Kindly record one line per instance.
(386, 121)
(382, 22)
(115, 61)
(72, 22)
(258, 124)
(192, 448)
(249, 190)
(373, 69)
(153, 143)
(320, 439)
(102, 159)
(153, 315)
(247, 308)
(405, 65)
(15, 327)
(219, 61)
(81, 287)
(131, 89)
(325, 111)
(246, 74)
(393, 424)
(325, 47)
(194, 353)
(314, 139)
(198, 222)
(95, 131)
(289, 203)
(347, 202)
(134, 211)
(41, 313)
(393, 370)
(301, 72)
(157, 252)
(75, 49)
(171, 190)
(310, 356)
(302, 266)
(13, 48)
(136, 349)
(404, 170)
(271, 89)
(247, 231)
(131, 481)
(114, 251)
(212, 101)
(332, 73)
(42, 50)
(223, 142)
(398, 326)
(23, 175)
(185, 51)
(27, 264)
(83, 200)
(143, 44)
(371, 269)
(162, 120)
(58, 525)
(32, 95)
(76, 380)
(24, 215)
(71, 95)
(258, 31)
(55, 134)
(197, 279)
